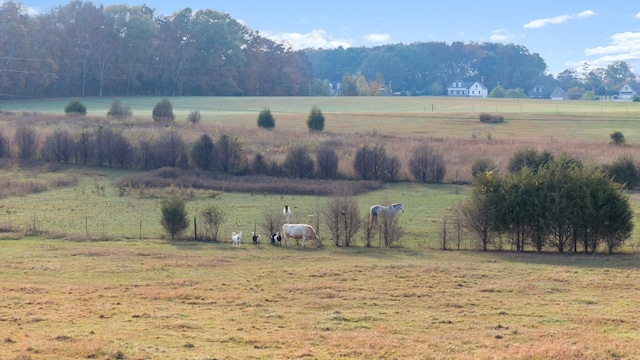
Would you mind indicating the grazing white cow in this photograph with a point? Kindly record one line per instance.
(256, 238)
(276, 239)
(300, 231)
(386, 211)
(287, 213)
(236, 239)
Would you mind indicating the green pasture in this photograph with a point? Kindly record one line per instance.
(430, 116)
(95, 208)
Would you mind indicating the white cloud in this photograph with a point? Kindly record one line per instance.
(622, 47)
(315, 39)
(626, 42)
(637, 16)
(501, 36)
(377, 38)
(585, 14)
(538, 23)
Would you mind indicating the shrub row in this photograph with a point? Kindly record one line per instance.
(114, 146)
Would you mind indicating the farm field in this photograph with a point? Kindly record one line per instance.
(94, 208)
(87, 272)
(421, 116)
(158, 300)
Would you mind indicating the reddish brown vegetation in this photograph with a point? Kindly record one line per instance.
(459, 152)
(195, 179)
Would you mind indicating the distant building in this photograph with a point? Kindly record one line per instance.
(335, 89)
(539, 92)
(558, 94)
(467, 89)
(628, 92)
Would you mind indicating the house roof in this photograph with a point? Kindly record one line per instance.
(465, 84)
(538, 92)
(634, 87)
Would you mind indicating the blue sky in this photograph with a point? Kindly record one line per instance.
(566, 34)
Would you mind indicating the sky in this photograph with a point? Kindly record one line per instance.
(566, 34)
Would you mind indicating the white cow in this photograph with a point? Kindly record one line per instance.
(236, 239)
(300, 231)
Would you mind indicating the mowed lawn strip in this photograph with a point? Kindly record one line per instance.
(153, 299)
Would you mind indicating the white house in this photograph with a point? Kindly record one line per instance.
(471, 89)
(627, 92)
(558, 94)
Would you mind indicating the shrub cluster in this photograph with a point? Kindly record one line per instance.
(119, 111)
(491, 118)
(75, 107)
(625, 172)
(112, 145)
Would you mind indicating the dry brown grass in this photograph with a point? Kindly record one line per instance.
(195, 179)
(137, 300)
(459, 136)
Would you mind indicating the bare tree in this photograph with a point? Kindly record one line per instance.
(212, 217)
(26, 142)
(272, 221)
(3, 145)
(476, 214)
(170, 149)
(122, 150)
(426, 165)
(368, 230)
(58, 146)
(394, 166)
(84, 149)
(327, 160)
(371, 162)
(390, 229)
(299, 163)
(342, 217)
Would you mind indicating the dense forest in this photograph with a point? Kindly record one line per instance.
(84, 49)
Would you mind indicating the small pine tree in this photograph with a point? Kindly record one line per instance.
(75, 107)
(315, 122)
(265, 119)
(174, 216)
(163, 111)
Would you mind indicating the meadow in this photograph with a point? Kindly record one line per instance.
(159, 300)
(87, 272)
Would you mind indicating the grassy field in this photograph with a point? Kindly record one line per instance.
(431, 116)
(96, 209)
(95, 276)
(157, 300)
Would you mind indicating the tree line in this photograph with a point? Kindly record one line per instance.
(84, 49)
(546, 203)
(428, 68)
